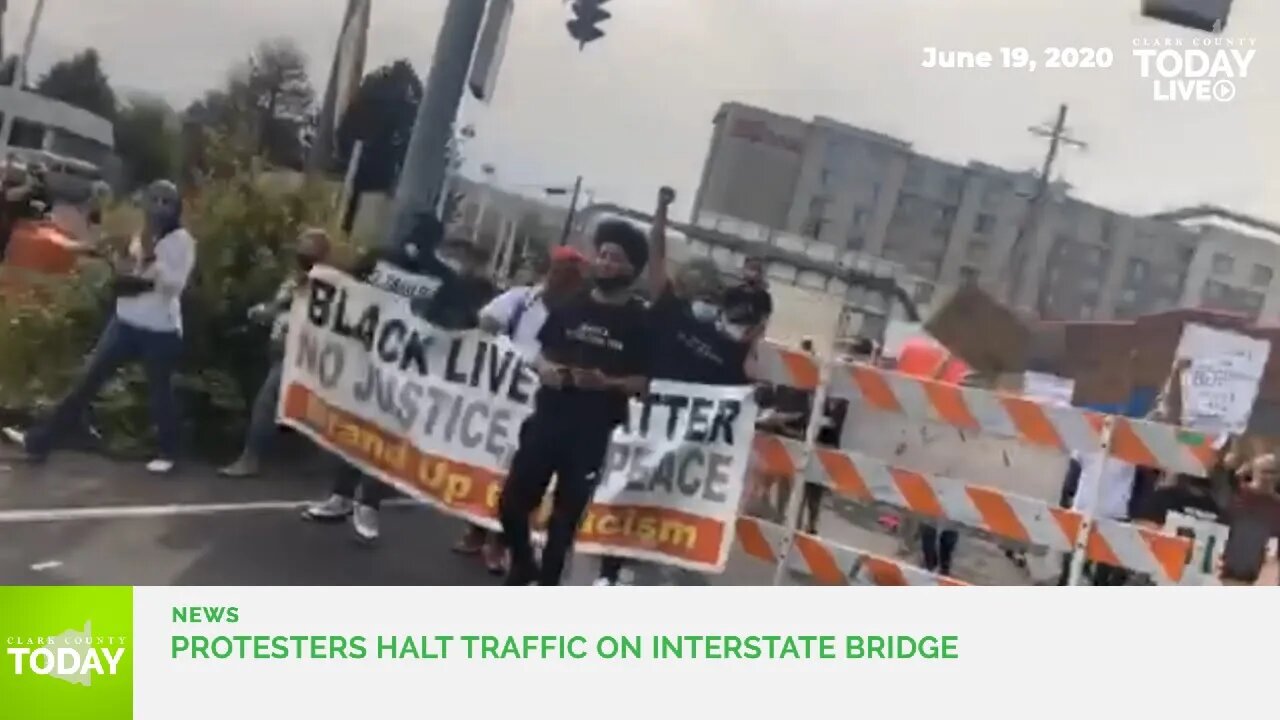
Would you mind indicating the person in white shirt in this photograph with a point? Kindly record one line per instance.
(146, 328)
(519, 313)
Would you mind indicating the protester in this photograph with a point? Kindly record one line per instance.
(520, 313)
(690, 340)
(749, 304)
(146, 328)
(593, 357)
(445, 285)
(312, 248)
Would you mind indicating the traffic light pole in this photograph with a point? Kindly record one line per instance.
(422, 177)
(573, 210)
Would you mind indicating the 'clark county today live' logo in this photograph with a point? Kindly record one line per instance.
(66, 652)
(1195, 69)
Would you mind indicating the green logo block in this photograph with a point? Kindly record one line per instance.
(67, 652)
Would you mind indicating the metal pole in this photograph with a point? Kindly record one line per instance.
(19, 80)
(423, 175)
(1091, 506)
(573, 209)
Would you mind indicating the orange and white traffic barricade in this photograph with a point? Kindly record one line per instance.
(827, 562)
(1159, 554)
(1062, 428)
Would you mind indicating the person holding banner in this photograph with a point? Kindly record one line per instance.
(312, 248)
(691, 340)
(593, 358)
(444, 281)
(520, 313)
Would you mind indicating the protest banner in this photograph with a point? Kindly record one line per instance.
(437, 414)
(1220, 386)
(675, 472)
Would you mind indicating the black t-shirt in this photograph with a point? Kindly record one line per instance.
(457, 306)
(747, 305)
(587, 334)
(686, 349)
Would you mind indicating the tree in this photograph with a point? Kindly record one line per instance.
(147, 140)
(277, 87)
(381, 116)
(81, 82)
(264, 109)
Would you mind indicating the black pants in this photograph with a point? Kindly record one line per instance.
(938, 548)
(347, 480)
(573, 453)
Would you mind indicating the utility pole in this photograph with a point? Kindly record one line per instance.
(573, 209)
(1030, 227)
(423, 175)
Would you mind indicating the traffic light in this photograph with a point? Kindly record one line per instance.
(587, 14)
(1206, 15)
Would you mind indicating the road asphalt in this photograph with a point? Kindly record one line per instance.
(81, 519)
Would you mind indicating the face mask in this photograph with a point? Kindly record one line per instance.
(736, 332)
(452, 264)
(613, 284)
(704, 311)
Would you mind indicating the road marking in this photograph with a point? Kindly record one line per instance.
(121, 512)
(46, 565)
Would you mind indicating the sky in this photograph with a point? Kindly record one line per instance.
(633, 111)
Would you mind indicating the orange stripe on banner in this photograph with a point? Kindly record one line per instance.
(1171, 552)
(1126, 445)
(998, 514)
(753, 541)
(875, 389)
(1099, 550)
(1032, 423)
(844, 474)
(883, 572)
(948, 401)
(821, 562)
(802, 369)
(773, 455)
(917, 492)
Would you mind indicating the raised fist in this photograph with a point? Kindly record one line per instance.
(666, 196)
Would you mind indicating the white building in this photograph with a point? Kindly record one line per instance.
(946, 224)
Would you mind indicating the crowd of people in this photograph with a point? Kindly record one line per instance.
(598, 328)
(595, 333)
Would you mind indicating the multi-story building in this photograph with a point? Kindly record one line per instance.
(950, 224)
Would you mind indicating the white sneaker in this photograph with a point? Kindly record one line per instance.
(333, 509)
(364, 520)
(160, 466)
(14, 435)
(603, 582)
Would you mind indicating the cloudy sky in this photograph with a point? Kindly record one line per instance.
(634, 110)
